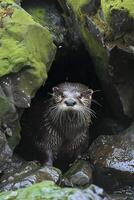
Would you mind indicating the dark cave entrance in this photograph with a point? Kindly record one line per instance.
(74, 66)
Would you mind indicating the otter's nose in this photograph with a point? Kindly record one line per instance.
(70, 102)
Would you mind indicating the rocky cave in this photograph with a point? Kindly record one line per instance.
(44, 43)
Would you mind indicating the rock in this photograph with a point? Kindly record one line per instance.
(113, 160)
(5, 151)
(108, 126)
(119, 15)
(13, 164)
(126, 193)
(48, 15)
(80, 174)
(24, 62)
(27, 174)
(48, 190)
(112, 54)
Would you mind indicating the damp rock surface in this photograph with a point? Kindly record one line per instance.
(113, 160)
(79, 174)
(28, 173)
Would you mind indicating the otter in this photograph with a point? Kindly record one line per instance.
(61, 129)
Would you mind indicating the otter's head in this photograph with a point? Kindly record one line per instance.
(74, 97)
(70, 106)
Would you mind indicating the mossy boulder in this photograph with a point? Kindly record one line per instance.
(119, 15)
(48, 190)
(112, 52)
(48, 15)
(26, 53)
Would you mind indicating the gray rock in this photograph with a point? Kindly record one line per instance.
(27, 174)
(79, 174)
(113, 160)
(5, 151)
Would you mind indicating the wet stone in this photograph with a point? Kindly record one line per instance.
(79, 174)
(28, 174)
(113, 160)
(126, 193)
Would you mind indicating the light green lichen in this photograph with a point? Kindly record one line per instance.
(109, 5)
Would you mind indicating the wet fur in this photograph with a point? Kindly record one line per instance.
(61, 134)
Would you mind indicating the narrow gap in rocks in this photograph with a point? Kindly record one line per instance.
(75, 66)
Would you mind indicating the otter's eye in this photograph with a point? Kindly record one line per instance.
(80, 96)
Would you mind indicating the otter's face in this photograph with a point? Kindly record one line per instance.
(72, 96)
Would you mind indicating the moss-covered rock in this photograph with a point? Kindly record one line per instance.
(20, 45)
(48, 190)
(119, 14)
(26, 53)
(110, 51)
(47, 14)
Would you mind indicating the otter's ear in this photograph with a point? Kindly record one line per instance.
(55, 89)
(88, 92)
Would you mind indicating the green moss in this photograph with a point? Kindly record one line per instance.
(47, 190)
(27, 50)
(39, 14)
(92, 45)
(44, 190)
(48, 16)
(77, 4)
(25, 43)
(109, 5)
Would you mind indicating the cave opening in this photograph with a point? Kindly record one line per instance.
(74, 66)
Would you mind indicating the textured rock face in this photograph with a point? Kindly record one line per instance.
(5, 151)
(112, 53)
(26, 54)
(113, 159)
(28, 173)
